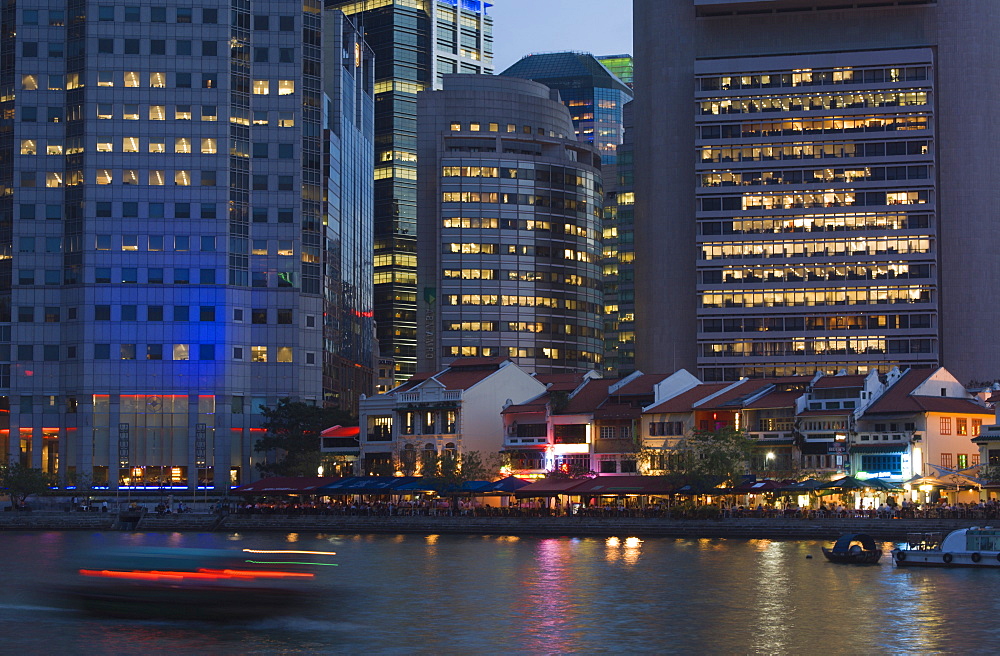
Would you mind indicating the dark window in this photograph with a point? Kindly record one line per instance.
(183, 80)
(210, 16)
(104, 13)
(182, 210)
(154, 351)
(102, 313)
(182, 276)
(55, 50)
(285, 215)
(258, 315)
(102, 351)
(25, 352)
(181, 313)
(206, 351)
(207, 277)
(102, 275)
(259, 149)
(285, 151)
(154, 313)
(132, 14)
(130, 210)
(154, 276)
(261, 23)
(285, 316)
(131, 46)
(286, 23)
(206, 313)
(286, 55)
(158, 14)
(259, 214)
(260, 182)
(285, 182)
(259, 55)
(184, 15)
(130, 313)
(209, 48)
(26, 314)
(130, 275)
(183, 47)
(29, 49)
(50, 352)
(208, 210)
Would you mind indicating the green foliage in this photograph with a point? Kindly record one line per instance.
(470, 466)
(21, 482)
(292, 441)
(990, 474)
(722, 453)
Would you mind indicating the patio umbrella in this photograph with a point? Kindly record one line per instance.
(881, 485)
(845, 483)
(808, 485)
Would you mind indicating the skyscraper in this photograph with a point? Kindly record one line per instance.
(837, 215)
(621, 65)
(595, 97)
(415, 43)
(183, 202)
(509, 210)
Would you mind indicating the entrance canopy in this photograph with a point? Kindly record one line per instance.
(621, 485)
(368, 485)
(551, 487)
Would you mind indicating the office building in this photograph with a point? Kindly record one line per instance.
(416, 42)
(837, 216)
(621, 65)
(594, 96)
(509, 209)
(183, 212)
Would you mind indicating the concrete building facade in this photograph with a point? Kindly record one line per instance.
(838, 216)
(509, 214)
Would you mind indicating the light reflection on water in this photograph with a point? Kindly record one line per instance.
(528, 595)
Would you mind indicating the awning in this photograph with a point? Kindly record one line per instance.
(368, 485)
(288, 485)
(879, 448)
(758, 487)
(619, 485)
(551, 487)
(341, 431)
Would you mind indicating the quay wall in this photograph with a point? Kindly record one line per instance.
(736, 528)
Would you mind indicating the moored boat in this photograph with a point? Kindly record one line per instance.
(854, 549)
(965, 547)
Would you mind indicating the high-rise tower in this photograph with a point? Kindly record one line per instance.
(183, 203)
(836, 215)
(415, 43)
(509, 211)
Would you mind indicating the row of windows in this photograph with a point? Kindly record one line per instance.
(156, 14)
(812, 297)
(151, 177)
(818, 346)
(555, 176)
(181, 145)
(521, 301)
(813, 103)
(258, 316)
(961, 426)
(29, 114)
(615, 432)
(812, 150)
(872, 271)
(514, 249)
(476, 126)
(817, 223)
(520, 327)
(661, 428)
(818, 323)
(830, 198)
(528, 225)
(536, 200)
(830, 125)
(789, 249)
(523, 276)
(130, 275)
(182, 80)
(129, 209)
(52, 352)
(540, 353)
(814, 77)
(731, 178)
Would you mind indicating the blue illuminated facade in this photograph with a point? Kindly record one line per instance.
(185, 203)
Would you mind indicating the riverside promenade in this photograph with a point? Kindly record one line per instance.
(775, 528)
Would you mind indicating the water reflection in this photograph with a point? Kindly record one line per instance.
(528, 595)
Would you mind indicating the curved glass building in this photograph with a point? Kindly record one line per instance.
(509, 210)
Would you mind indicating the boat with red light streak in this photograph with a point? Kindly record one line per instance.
(191, 584)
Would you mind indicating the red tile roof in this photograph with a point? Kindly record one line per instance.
(949, 404)
(617, 411)
(735, 393)
(825, 413)
(897, 398)
(463, 379)
(776, 400)
(589, 397)
(524, 408)
(641, 385)
(833, 382)
(560, 382)
(684, 401)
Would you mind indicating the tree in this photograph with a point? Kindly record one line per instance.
(721, 453)
(21, 482)
(292, 443)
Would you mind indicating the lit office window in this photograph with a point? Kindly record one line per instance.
(29, 147)
(131, 78)
(284, 354)
(29, 82)
(182, 351)
(105, 78)
(156, 178)
(286, 119)
(286, 87)
(157, 113)
(130, 112)
(260, 87)
(209, 146)
(54, 179)
(130, 144)
(182, 178)
(157, 147)
(104, 176)
(105, 145)
(182, 113)
(130, 177)
(182, 145)
(158, 80)
(258, 354)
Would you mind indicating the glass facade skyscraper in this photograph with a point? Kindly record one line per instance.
(415, 43)
(594, 96)
(184, 203)
(621, 65)
(836, 219)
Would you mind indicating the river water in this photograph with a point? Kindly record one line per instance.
(509, 595)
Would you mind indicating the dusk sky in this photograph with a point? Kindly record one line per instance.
(520, 27)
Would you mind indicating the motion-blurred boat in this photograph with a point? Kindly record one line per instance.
(189, 584)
